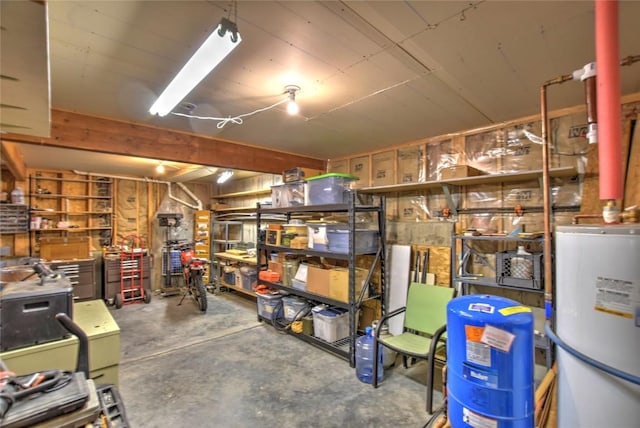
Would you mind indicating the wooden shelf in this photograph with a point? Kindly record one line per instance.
(70, 229)
(238, 289)
(73, 180)
(258, 192)
(46, 212)
(237, 209)
(468, 181)
(80, 200)
(250, 260)
(57, 196)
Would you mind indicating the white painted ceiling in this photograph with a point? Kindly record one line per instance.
(372, 73)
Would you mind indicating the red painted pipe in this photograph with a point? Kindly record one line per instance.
(608, 88)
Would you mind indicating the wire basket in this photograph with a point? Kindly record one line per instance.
(519, 270)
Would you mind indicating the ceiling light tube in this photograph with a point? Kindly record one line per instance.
(218, 45)
(224, 176)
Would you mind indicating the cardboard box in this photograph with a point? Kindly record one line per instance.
(360, 168)
(339, 283)
(459, 171)
(382, 167)
(318, 280)
(410, 165)
(369, 311)
(275, 267)
(341, 165)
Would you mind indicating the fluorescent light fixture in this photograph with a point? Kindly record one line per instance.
(292, 105)
(224, 176)
(218, 45)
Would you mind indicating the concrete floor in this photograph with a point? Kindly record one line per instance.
(183, 368)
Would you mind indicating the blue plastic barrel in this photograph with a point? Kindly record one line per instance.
(490, 359)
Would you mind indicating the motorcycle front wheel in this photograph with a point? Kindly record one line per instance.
(200, 293)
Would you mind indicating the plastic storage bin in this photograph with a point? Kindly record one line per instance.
(293, 306)
(288, 195)
(269, 305)
(299, 285)
(330, 324)
(249, 277)
(338, 237)
(229, 277)
(317, 236)
(328, 189)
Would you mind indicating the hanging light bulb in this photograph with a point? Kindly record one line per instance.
(292, 105)
(160, 168)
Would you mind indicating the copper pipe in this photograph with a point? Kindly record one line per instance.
(546, 195)
(546, 204)
(576, 218)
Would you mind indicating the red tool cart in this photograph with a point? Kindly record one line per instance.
(131, 273)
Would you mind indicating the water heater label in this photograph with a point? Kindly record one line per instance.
(497, 338)
(617, 296)
(477, 421)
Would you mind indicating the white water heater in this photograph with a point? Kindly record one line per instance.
(597, 304)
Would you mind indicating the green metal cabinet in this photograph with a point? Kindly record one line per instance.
(104, 347)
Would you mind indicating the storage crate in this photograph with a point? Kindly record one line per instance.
(249, 276)
(288, 195)
(329, 189)
(511, 274)
(294, 308)
(269, 305)
(366, 240)
(330, 324)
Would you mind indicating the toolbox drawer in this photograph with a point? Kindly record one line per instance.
(81, 275)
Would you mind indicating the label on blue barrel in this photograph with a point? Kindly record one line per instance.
(497, 338)
(480, 376)
(481, 307)
(477, 421)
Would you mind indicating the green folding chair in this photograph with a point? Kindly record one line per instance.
(424, 330)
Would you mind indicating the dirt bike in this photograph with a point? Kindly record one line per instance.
(193, 270)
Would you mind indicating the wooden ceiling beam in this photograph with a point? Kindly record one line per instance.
(12, 159)
(83, 132)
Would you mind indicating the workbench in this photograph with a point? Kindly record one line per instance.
(103, 333)
(224, 258)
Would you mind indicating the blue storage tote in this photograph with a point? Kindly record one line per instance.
(269, 305)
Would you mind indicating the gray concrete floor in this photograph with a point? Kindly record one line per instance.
(182, 368)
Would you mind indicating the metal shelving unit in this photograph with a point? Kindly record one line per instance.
(462, 279)
(344, 348)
